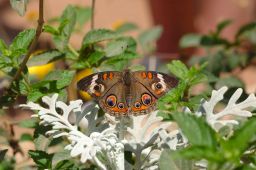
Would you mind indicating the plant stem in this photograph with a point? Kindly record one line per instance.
(73, 50)
(137, 165)
(92, 15)
(34, 42)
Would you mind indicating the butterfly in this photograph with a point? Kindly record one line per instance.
(127, 93)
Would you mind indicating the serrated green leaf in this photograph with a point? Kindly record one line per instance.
(198, 132)
(83, 15)
(42, 159)
(23, 40)
(69, 18)
(149, 37)
(45, 57)
(178, 68)
(126, 27)
(98, 35)
(28, 123)
(35, 94)
(26, 137)
(222, 25)
(20, 6)
(238, 143)
(190, 40)
(66, 27)
(115, 48)
(50, 29)
(63, 77)
(167, 162)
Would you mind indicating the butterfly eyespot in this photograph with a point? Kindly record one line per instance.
(158, 86)
(97, 87)
(137, 105)
(146, 99)
(120, 105)
(111, 100)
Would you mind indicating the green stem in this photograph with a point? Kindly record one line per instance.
(34, 42)
(73, 50)
(27, 83)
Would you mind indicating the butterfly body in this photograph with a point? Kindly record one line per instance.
(127, 93)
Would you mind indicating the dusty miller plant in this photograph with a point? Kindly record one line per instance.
(105, 140)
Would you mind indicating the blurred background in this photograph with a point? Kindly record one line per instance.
(177, 17)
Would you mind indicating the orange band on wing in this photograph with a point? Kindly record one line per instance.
(143, 74)
(105, 75)
(143, 107)
(111, 75)
(97, 94)
(150, 75)
(116, 109)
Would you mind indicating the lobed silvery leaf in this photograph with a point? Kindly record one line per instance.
(88, 147)
(232, 109)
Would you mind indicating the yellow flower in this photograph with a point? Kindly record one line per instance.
(32, 15)
(41, 71)
(117, 24)
(79, 76)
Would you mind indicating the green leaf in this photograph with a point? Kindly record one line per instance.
(63, 77)
(126, 27)
(230, 81)
(45, 57)
(167, 162)
(65, 164)
(26, 137)
(35, 94)
(209, 40)
(245, 28)
(66, 27)
(3, 46)
(60, 156)
(98, 35)
(2, 154)
(198, 132)
(23, 40)
(42, 159)
(149, 37)
(41, 141)
(222, 25)
(83, 15)
(28, 123)
(178, 68)
(19, 6)
(240, 141)
(190, 40)
(115, 48)
(95, 57)
(201, 152)
(50, 29)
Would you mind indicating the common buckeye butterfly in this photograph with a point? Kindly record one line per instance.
(127, 93)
